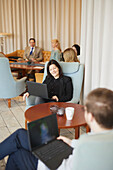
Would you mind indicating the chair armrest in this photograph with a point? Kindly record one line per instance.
(23, 79)
(21, 85)
(30, 101)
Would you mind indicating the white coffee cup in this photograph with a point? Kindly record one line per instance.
(69, 113)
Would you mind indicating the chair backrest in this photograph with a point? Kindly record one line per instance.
(2, 54)
(94, 152)
(20, 53)
(46, 55)
(75, 71)
(39, 77)
(6, 79)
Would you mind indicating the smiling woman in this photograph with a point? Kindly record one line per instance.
(54, 71)
(60, 87)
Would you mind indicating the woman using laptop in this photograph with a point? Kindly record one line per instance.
(60, 87)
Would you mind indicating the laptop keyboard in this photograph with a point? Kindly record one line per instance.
(52, 149)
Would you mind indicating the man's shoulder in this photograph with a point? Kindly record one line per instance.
(27, 48)
(38, 48)
(102, 136)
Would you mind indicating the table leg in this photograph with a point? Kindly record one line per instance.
(21, 73)
(87, 129)
(77, 132)
(25, 124)
(59, 131)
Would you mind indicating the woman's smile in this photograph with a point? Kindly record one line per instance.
(54, 71)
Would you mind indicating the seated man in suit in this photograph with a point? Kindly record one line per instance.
(32, 53)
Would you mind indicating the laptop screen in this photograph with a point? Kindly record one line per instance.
(42, 131)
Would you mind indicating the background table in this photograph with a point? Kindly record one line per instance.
(24, 66)
(42, 110)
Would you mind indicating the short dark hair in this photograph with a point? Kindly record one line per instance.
(57, 65)
(32, 39)
(77, 48)
(99, 102)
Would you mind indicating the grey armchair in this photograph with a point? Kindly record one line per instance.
(71, 69)
(9, 88)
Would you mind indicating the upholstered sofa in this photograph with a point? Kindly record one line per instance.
(19, 53)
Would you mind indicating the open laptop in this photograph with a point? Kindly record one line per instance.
(38, 89)
(43, 142)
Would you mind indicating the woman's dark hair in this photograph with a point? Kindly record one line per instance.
(32, 39)
(57, 65)
(77, 48)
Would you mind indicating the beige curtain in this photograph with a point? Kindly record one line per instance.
(42, 19)
(97, 44)
(68, 22)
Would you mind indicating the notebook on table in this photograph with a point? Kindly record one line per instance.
(43, 142)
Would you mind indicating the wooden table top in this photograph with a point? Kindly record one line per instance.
(42, 110)
(28, 67)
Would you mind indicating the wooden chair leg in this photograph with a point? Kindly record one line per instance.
(87, 129)
(25, 124)
(9, 103)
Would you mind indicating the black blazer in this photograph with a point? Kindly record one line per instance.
(66, 87)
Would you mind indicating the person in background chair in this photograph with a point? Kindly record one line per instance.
(32, 54)
(60, 87)
(98, 115)
(70, 55)
(56, 50)
(55, 53)
(76, 48)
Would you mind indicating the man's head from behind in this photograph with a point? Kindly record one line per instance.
(32, 42)
(99, 108)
